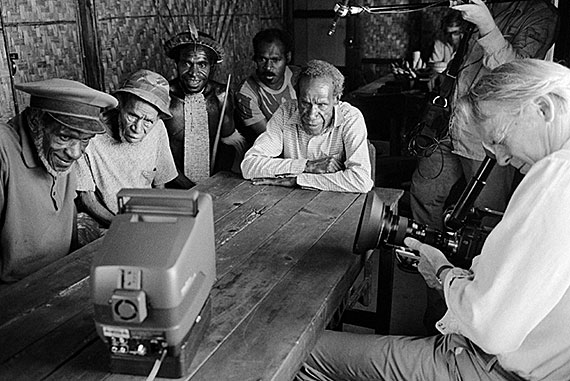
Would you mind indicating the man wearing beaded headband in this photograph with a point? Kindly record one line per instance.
(37, 186)
(196, 106)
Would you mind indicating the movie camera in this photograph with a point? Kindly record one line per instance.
(463, 241)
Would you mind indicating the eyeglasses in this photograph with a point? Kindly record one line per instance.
(134, 119)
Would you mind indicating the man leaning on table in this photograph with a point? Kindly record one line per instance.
(316, 141)
(38, 149)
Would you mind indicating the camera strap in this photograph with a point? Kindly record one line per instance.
(433, 125)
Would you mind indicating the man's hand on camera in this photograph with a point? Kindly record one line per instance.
(476, 12)
(431, 259)
(325, 165)
(282, 181)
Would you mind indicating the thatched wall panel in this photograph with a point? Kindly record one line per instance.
(45, 51)
(128, 44)
(395, 36)
(132, 39)
(45, 35)
(6, 99)
(19, 11)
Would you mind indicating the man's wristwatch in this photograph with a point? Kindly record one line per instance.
(440, 270)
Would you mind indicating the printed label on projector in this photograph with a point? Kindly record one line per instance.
(115, 332)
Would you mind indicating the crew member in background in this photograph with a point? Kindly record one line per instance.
(196, 107)
(507, 316)
(272, 84)
(315, 142)
(37, 185)
(444, 50)
(133, 152)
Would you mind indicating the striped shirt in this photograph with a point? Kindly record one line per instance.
(284, 149)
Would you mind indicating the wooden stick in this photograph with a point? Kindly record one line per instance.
(218, 131)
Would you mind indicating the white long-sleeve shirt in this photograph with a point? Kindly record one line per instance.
(515, 301)
(284, 149)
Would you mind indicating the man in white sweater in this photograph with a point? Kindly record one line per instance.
(507, 316)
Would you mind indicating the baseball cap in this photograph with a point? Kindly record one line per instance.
(71, 103)
(151, 87)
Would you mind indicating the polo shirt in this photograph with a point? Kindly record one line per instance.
(36, 208)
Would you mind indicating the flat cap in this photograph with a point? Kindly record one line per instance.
(71, 103)
(151, 87)
(173, 45)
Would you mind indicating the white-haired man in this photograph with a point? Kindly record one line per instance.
(316, 141)
(507, 316)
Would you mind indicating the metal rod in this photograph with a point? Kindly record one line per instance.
(416, 6)
(221, 121)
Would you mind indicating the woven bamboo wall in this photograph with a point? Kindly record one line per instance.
(133, 37)
(396, 36)
(44, 34)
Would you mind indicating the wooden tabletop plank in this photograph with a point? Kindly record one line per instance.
(235, 295)
(18, 334)
(235, 197)
(39, 288)
(250, 210)
(261, 346)
(256, 224)
(264, 237)
(52, 350)
(220, 184)
(285, 223)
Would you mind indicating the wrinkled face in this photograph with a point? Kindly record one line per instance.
(193, 69)
(519, 140)
(271, 61)
(136, 119)
(316, 104)
(62, 146)
(453, 35)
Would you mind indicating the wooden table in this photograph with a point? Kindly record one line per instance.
(284, 265)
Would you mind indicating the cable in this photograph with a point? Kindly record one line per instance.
(156, 366)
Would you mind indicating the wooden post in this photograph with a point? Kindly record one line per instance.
(92, 68)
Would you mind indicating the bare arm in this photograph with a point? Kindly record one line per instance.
(95, 209)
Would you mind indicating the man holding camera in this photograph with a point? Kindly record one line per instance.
(507, 316)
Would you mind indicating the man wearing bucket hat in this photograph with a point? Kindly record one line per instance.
(37, 186)
(203, 138)
(133, 152)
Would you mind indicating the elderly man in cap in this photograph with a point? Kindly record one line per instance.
(202, 112)
(37, 187)
(133, 152)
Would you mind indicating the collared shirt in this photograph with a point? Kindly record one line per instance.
(515, 301)
(525, 29)
(284, 149)
(442, 52)
(111, 165)
(256, 102)
(36, 209)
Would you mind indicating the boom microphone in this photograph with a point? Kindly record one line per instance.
(341, 10)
